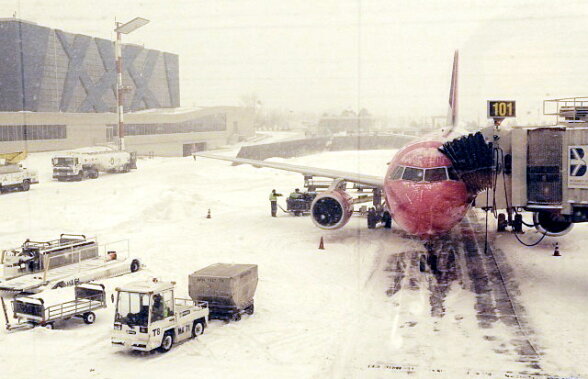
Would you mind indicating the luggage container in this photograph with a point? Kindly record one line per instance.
(228, 288)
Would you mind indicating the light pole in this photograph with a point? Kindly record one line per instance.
(120, 29)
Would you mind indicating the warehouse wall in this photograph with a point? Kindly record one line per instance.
(37, 130)
(65, 72)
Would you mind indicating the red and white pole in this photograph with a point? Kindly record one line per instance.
(119, 89)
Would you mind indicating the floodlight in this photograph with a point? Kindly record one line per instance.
(132, 25)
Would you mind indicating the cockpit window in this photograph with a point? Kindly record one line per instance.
(397, 173)
(435, 174)
(413, 174)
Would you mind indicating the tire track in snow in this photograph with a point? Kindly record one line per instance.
(460, 258)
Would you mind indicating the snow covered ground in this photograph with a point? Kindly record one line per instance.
(318, 313)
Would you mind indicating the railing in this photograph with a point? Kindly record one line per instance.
(190, 302)
(73, 307)
(571, 108)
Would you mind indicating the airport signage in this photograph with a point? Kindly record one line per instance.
(577, 170)
(502, 108)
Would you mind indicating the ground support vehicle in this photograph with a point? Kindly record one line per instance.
(66, 261)
(148, 317)
(228, 288)
(79, 165)
(301, 205)
(12, 175)
(33, 311)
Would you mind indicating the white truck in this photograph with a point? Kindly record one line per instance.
(148, 317)
(66, 261)
(79, 165)
(12, 175)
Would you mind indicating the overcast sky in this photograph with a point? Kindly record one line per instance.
(391, 57)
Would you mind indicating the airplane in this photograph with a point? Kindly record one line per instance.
(422, 191)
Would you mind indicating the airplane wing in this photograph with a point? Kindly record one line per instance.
(369, 180)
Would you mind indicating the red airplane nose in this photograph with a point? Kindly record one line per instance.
(427, 209)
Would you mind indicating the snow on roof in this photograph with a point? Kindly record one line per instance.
(146, 286)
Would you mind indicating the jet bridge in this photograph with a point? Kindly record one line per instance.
(541, 169)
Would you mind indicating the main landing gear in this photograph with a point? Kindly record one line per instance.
(374, 217)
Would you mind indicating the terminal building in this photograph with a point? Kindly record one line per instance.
(58, 92)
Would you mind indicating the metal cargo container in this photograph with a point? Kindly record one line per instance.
(228, 289)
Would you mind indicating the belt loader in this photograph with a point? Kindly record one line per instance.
(66, 261)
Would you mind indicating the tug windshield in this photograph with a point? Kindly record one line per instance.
(132, 309)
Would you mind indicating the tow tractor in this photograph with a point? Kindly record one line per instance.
(33, 311)
(68, 260)
(300, 205)
(148, 317)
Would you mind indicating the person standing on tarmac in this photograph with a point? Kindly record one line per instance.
(273, 198)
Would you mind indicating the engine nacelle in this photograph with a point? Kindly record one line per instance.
(331, 209)
(552, 224)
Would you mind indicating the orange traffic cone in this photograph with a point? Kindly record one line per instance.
(208, 215)
(322, 244)
(556, 251)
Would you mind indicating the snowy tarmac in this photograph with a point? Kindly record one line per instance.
(360, 308)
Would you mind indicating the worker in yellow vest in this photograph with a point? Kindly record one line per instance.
(273, 198)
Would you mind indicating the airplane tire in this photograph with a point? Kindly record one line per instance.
(387, 219)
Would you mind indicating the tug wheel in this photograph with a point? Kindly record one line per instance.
(166, 343)
(197, 329)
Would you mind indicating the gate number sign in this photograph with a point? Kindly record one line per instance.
(501, 108)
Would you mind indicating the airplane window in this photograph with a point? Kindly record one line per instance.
(397, 173)
(435, 174)
(413, 174)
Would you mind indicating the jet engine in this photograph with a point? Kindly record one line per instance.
(332, 209)
(551, 223)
